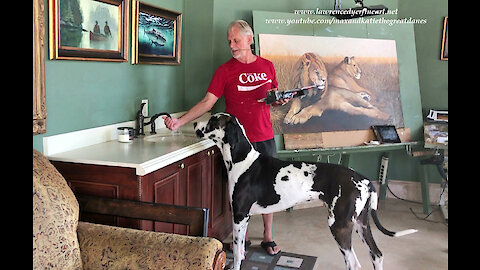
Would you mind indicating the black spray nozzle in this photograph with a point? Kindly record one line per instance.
(276, 95)
(160, 114)
(152, 121)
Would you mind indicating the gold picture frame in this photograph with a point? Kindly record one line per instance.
(39, 107)
(88, 30)
(156, 35)
(444, 54)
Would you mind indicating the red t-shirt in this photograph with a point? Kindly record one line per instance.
(243, 85)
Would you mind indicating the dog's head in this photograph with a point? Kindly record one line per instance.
(214, 128)
(227, 133)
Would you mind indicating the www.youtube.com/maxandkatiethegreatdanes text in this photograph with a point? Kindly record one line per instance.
(351, 12)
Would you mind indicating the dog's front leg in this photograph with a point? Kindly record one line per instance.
(239, 230)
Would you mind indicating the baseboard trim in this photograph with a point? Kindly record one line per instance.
(407, 190)
(412, 191)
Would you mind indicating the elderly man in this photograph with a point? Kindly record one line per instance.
(243, 80)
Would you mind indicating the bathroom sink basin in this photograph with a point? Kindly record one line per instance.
(180, 138)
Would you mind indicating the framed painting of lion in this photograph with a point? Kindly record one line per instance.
(357, 82)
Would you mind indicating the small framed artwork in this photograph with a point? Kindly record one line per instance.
(156, 35)
(88, 30)
(444, 55)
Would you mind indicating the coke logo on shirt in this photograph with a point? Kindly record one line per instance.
(252, 77)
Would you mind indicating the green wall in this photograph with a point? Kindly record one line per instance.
(86, 94)
(432, 71)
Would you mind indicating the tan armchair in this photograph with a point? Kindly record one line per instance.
(60, 241)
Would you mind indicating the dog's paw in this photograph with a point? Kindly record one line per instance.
(236, 266)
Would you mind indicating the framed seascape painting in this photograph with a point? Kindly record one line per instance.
(357, 83)
(88, 30)
(156, 35)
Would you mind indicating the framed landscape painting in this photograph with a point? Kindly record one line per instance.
(156, 35)
(88, 30)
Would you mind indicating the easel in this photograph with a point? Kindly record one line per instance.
(436, 138)
(438, 159)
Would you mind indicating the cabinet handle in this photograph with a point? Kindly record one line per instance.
(208, 153)
(181, 166)
(213, 151)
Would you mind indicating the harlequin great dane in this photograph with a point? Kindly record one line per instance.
(260, 184)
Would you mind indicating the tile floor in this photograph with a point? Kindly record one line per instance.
(305, 231)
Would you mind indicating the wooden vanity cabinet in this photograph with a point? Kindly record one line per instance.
(198, 180)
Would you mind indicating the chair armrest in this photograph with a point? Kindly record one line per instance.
(103, 246)
(220, 260)
(195, 217)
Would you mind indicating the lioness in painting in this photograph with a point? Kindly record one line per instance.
(311, 70)
(339, 99)
(344, 76)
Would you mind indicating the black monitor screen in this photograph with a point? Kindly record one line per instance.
(386, 134)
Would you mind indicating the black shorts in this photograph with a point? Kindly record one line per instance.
(267, 147)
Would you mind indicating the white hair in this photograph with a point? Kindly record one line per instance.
(243, 26)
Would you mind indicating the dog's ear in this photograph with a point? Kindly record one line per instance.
(212, 124)
(224, 119)
(231, 134)
(239, 145)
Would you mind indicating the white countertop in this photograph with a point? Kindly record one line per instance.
(143, 154)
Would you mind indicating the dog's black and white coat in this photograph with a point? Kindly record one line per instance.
(260, 184)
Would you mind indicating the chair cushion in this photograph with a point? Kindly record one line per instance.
(123, 248)
(55, 219)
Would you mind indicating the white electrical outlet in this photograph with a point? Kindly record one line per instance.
(145, 107)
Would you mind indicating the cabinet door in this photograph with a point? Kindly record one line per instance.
(96, 189)
(198, 179)
(167, 190)
(220, 215)
(166, 185)
(102, 181)
(186, 182)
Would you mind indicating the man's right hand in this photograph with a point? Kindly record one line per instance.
(172, 123)
(196, 111)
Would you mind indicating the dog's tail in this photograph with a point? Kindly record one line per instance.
(373, 208)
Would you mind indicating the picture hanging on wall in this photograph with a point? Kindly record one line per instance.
(357, 82)
(156, 35)
(444, 55)
(88, 30)
(39, 98)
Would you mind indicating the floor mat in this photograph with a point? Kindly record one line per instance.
(257, 259)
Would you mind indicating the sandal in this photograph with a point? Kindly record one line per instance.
(228, 246)
(266, 245)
